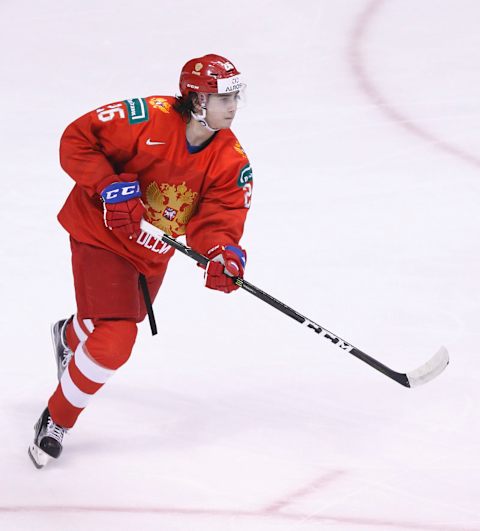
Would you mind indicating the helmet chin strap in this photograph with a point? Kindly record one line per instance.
(202, 118)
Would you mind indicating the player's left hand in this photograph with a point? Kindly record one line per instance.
(225, 262)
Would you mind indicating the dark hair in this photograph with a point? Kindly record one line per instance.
(184, 106)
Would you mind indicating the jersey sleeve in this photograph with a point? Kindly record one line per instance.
(222, 211)
(94, 147)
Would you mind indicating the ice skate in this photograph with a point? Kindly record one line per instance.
(62, 351)
(47, 442)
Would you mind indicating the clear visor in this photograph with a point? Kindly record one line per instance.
(236, 99)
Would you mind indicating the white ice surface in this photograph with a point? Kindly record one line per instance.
(363, 130)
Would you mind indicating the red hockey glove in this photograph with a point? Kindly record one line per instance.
(225, 262)
(122, 207)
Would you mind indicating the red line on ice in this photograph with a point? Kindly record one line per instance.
(314, 486)
(216, 513)
(357, 64)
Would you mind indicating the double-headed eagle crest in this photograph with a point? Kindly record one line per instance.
(170, 206)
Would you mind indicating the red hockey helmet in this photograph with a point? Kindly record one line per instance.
(211, 74)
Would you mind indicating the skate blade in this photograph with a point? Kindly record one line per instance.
(38, 456)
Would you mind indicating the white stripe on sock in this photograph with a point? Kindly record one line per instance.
(89, 368)
(72, 393)
(82, 336)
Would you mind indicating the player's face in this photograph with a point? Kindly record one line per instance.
(221, 109)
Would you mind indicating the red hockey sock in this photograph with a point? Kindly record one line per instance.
(102, 347)
(78, 330)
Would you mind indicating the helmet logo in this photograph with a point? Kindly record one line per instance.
(228, 66)
(198, 67)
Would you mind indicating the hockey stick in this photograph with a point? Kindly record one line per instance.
(423, 374)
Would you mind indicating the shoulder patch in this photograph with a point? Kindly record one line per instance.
(160, 103)
(239, 149)
(245, 176)
(137, 110)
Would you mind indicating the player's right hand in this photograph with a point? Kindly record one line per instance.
(123, 208)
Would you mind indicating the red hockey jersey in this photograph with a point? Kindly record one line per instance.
(204, 195)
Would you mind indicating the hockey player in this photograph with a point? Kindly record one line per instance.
(174, 162)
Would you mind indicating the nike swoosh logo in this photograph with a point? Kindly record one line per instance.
(153, 143)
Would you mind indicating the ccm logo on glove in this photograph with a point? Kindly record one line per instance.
(225, 262)
(122, 207)
(119, 192)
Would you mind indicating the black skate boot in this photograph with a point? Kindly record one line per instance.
(62, 351)
(47, 442)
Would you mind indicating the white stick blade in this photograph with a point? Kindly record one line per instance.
(429, 370)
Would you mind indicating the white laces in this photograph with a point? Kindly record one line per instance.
(67, 354)
(55, 431)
